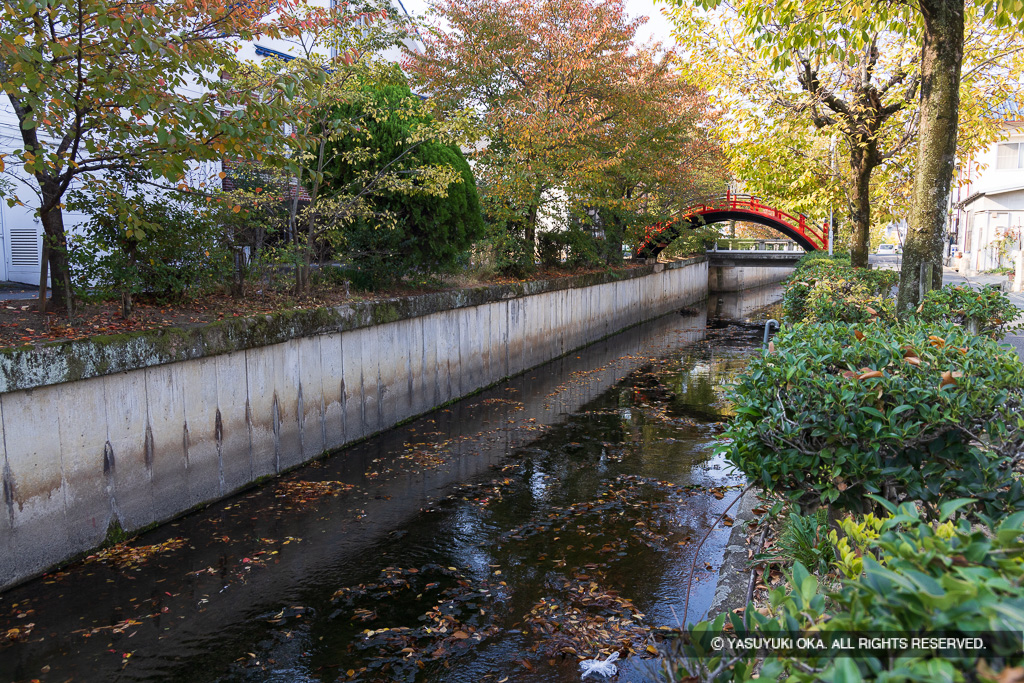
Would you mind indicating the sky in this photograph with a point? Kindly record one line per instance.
(657, 27)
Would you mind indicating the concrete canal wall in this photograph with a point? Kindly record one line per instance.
(127, 431)
(738, 278)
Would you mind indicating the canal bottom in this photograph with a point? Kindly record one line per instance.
(552, 517)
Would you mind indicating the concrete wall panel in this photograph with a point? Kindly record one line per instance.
(202, 453)
(430, 384)
(516, 326)
(82, 416)
(165, 401)
(369, 367)
(287, 382)
(147, 444)
(352, 375)
(449, 356)
(235, 445)
(311, 410)
(263, 409)
(35, 478)
(393, 370)
(127, 458)
(332, 382)
(8, 569)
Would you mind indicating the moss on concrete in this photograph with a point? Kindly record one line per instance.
(28, 367)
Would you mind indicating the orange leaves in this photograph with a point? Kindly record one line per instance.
(911, 356)
(950, 377)
(868, 373)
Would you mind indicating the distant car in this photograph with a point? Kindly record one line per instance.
(887, 250)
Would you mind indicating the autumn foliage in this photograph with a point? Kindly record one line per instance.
(569, 106)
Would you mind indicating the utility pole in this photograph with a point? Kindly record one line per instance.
(831, 232)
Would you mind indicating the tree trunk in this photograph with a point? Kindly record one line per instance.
(860, 237)
(530, 233)
(57, 252)
(127, 306)
(531, 224)
(613, 233)
(44, 275)
(941, 59)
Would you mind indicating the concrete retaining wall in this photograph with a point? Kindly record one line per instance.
(212, 412)
(738, 278)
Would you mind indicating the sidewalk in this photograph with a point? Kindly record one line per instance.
(951, 277)
(10, 291)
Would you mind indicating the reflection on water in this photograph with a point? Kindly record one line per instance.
(746, 306)
(550, 517)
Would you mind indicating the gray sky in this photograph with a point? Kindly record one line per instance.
(657, 27)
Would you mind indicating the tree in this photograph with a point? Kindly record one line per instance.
(863, 96)
(666, 156)
(543, 77)
(335, 67)
(423, 218)
(99, 85)
(938, 26)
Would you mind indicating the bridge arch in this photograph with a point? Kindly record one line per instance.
(740, 208)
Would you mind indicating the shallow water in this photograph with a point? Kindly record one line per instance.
(552, 516)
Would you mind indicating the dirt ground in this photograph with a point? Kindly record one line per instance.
(21, 323)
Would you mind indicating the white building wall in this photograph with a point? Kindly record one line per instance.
(988, 208)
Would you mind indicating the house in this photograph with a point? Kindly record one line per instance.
(987, 212)
(20, 227)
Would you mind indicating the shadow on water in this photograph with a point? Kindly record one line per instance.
(549, 517)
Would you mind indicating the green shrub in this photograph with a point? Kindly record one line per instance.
(805, 539)
(398, 231)
(813, 256)
(549, 248)
(839, 411)
(829, 289)
(983, 311)
(918, 579)
(136, 243)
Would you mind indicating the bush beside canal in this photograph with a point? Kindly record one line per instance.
(890, 450)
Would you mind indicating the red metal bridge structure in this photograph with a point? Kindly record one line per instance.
(739, 207)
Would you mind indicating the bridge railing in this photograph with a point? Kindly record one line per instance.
(753, 244)
(743, 203)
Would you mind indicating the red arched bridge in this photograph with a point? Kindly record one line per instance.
(738, 207)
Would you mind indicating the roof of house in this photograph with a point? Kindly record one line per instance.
(1008, 110)
(989, 193)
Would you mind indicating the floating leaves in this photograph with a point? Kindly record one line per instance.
(460, 617)
(584, 619)
(125, 556)
(306, 491)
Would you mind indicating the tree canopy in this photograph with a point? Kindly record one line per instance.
(426, 223)
(569, 106)
(101, 84)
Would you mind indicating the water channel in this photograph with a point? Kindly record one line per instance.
(552, 516)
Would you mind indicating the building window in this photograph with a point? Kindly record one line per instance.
(1010, 155)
